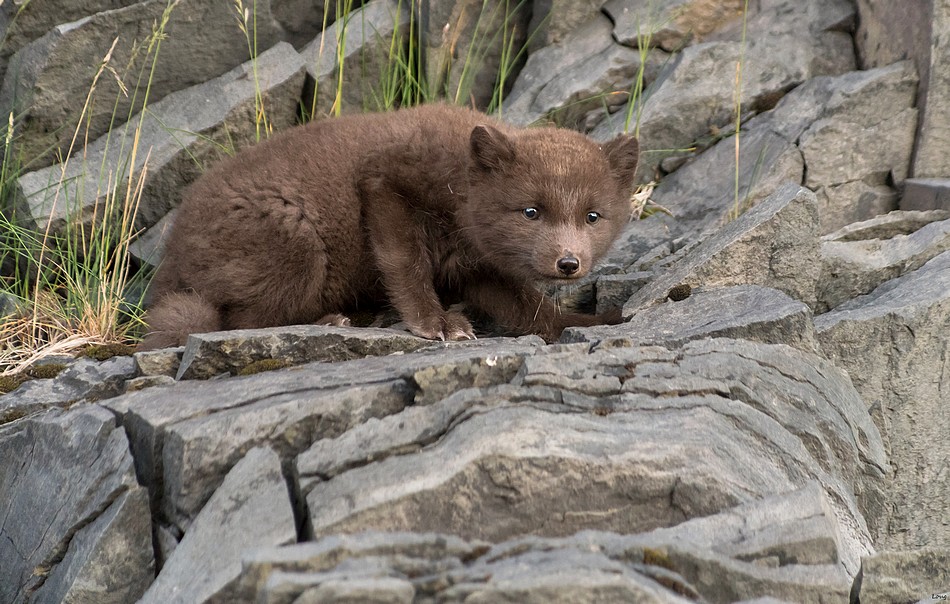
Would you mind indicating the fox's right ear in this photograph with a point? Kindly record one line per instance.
(491, 149)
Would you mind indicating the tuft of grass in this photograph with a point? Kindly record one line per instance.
(71, 287)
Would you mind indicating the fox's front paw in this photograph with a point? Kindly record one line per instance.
(335, 319)
(449, 326)
(457, 327)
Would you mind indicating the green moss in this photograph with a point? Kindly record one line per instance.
(263, 365)
(680, 292)
(11, 415)
(655, 557)
(101, 352)
(45, 371)
(9, 383)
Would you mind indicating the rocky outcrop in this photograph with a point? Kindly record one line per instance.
(902, 373)
(206, 120)
(767, 423)
(368, 42)
(74, 522)
(48, 102)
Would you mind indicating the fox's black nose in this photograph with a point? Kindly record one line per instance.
(568, 265)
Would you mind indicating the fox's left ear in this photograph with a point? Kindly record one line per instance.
(623, 154)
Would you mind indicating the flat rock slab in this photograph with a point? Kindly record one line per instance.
(670, 25)
(48, 80)
(646, 437)
(853, 268)
(676, 115)
(178, 135)
(886, 226)
(74, 523)
(902, 373)
(775, 244)
(573, 82)
(783, 546)
(210, 354)
(187, 437)
(702, 194)
(905, 576)
(749, 312)
(926, 194)
(84, 379)
(250, 509)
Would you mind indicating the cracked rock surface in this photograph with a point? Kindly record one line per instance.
(767, 424)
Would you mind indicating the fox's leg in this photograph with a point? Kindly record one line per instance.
(523, 309)
(403, 258)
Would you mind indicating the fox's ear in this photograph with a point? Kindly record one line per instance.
(491, 150)
(623, 154)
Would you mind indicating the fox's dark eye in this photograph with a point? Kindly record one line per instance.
(592, 217)
(530, 213)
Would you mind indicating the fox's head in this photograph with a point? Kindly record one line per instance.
(545, 204)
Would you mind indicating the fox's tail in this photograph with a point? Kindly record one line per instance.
(177, 314)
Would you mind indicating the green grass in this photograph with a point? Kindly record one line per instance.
(71, 288)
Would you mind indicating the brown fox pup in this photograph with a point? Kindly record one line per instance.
(419, 207)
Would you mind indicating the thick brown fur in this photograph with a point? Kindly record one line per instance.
(419, 207)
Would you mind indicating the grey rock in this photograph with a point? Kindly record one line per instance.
(572, 83)
(178, 135)
(886, 342)
(843, 204)
(904, 576)
(250, 509)
(76, 525)
(84, 379)
(554, 21)
(579, 95)
(926, 194)
(788, 546)
(669, 25)
(855, 133)
(209, 354)
(367, 38)
(857, 97)
(149, 247)
(853, 268)
(148, 381)
(837, 150)
(702, 193)
(590, 39)
(47, 90)
(93, 570)
(829, 19)
(164, 362)
(587, 426)
(892, 224)
(261, 566)
(887, 33)
(464, 42)
(930, 161)
(288, 410)
(675, 114)
(782, 229)
(23, 22)
(745, 311)
(303, 20)
(614, 290)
